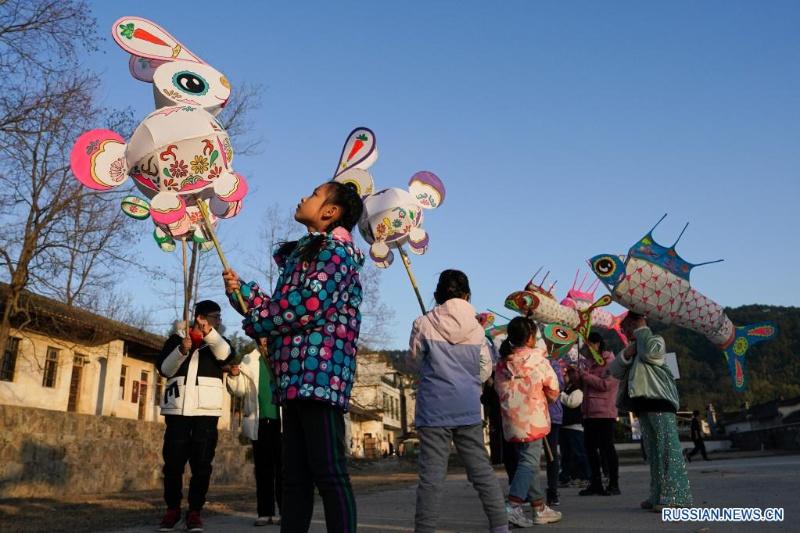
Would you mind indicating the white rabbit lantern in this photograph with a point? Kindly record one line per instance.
(178, 76)
(178, 155)
(393, 217)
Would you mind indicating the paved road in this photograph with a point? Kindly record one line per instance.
(758, 482)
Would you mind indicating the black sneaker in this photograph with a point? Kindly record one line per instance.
(613, 491)
(593, 491)
(553, 501)
(170, 520)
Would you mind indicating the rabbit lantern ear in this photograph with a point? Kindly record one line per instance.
(427, 189)
(143, 38)
(358, 154)
(178, 76)
(98, 159)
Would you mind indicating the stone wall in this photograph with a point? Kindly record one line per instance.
(46, 453)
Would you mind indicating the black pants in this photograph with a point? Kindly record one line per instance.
(267, 460)
(598, 434)
(193, 439)
(699, 446)
(313, 454)
(574, 464)
(553, 466)
(510, 459)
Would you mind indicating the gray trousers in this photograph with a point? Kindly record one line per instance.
(433, 456)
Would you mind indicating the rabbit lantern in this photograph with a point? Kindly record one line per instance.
(391, 217)
(180, 154)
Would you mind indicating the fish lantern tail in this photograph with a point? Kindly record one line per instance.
(744, 338)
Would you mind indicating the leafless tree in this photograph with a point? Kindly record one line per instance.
(52, 236)
(41, 37)
(238, 118)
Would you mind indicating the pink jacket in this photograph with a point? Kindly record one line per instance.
(524, 381)
(599, 390)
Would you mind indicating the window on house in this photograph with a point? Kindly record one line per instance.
(135, 392)
(159, 391)
(123, 377)
(50, 368)
(9, 362)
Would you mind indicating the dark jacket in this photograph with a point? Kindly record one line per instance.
(194, 381)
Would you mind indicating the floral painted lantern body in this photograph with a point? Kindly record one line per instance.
(176, 156)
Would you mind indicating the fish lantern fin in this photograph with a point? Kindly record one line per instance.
(744, 337)
(561, 336)
(427, 189)
(647, 249)
(358, 154)
(98, 159)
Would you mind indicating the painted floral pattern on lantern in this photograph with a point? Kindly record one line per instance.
(199, 164)
(312, 320)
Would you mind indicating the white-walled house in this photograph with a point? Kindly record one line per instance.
(64, 358)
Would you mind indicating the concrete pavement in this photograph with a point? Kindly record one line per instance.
(755, 482)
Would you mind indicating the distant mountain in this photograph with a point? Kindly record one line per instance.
(772, 368)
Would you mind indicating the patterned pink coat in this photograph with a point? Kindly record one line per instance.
(524, 381)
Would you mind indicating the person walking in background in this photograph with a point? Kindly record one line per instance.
(453, 358)
(574, 463)
(649, 391)
(526, 383)
(252, 381)
(599, 416)
(696, 433)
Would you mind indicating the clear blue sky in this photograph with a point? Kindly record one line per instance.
(560, 129)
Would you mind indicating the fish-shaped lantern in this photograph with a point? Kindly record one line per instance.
(653, 280)
(539, 304)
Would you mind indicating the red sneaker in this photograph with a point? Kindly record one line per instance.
(193, 521)
(170, 520)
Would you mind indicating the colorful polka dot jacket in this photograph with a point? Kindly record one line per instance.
(312, 320)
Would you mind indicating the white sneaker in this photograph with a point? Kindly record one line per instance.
(516, 515)
(545, 515)
(276, 521)
(263, 521)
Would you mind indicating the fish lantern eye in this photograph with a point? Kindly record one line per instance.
(605, 267)
(560, 333)
(190, 82)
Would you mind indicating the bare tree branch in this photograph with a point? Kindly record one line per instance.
(238, 119)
